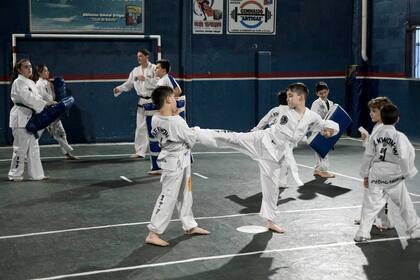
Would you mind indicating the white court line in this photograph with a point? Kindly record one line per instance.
(174, 220)
(227, 256)
(350, 177)
(122, 155)
(126, 179)
(199, 175)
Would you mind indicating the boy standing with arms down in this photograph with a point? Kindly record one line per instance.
(388, 160)
(176, 140)
(322, 106)
(272, 147)
(382, 221)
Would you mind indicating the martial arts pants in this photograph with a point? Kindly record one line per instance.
(25, 146)
(176, 191)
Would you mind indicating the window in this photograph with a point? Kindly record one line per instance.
(416, 53)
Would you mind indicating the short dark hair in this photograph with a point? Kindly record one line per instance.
(299, 88)
(390, 114)
(282, 97)
(159, 95)
(321, 86)
(165, 64)
(144, 52)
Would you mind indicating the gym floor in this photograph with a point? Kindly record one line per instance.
(88, 221)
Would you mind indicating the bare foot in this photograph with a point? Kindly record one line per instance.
(197, 231)
(323, 174)
(154, 239)
(71, 157)
(273, 227)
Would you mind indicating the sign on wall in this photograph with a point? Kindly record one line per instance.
(207, 16)
(256, 17)
(118, 16)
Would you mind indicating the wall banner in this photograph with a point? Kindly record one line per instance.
(256, 17)
(207, 16)
(117, 16)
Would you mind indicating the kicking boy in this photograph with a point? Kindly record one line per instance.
(388, 160)
(272, 147)
(176, 140)
(322, 106)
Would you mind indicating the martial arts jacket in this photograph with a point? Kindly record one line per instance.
(388, 158)
(25, 92)
(45, 89)
(143, 88)
(320, 107)
(175, 139)
(268, 120)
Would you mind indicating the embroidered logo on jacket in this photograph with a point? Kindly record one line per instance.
(284, 119)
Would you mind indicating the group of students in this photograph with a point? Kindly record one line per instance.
(31, 92)
(388, 160)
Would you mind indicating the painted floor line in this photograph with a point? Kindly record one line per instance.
(199, 175)
(121, 155)
(174, 220)
(226, 256)
(126, 179)
(350, 177)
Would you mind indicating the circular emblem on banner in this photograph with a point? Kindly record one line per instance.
(284, 119)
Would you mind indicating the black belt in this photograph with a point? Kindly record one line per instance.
(145, 97)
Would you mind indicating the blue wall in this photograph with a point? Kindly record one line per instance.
(313, 39)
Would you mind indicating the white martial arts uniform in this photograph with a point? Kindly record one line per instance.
(388, 160)
(25, 145)
(176, 140)
(144, 91)
(383, 219)
(271, 148)
(55, 129)
(168, 81)
(268, 120)
(322, 108)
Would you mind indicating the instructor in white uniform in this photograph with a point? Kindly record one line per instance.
(142, 78)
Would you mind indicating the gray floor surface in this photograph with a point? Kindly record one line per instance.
(86, 222)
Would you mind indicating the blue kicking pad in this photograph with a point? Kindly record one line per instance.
(323, 145)
(49, 115)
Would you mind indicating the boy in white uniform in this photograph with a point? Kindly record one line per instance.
(143, 79)
(176, 140)
(26, 100)
(382, 220)
(55, 129)
(322, 106)
(272, 147)
(163, 67)
(388, 160)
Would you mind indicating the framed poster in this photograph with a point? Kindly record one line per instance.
(256, 17)
(207, 16)
(113, 16)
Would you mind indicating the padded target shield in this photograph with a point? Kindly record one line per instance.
(323, 145)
